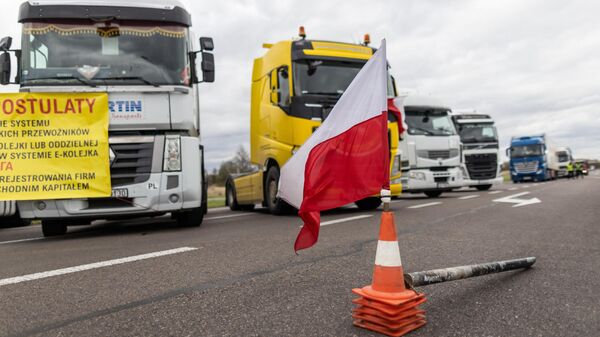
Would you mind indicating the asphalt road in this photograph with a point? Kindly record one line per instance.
(237, 274)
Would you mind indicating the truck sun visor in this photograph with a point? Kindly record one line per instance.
(177, 15)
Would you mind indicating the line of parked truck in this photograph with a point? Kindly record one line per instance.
(155, 63)
(537, 158)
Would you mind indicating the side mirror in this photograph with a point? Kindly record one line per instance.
(274, 91)
(208, 67)
(5, 68)
(206, 44)
(508, 151)
(5, 43)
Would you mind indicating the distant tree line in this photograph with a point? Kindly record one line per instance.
(240, 163)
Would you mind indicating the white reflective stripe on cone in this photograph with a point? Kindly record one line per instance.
(388, 254)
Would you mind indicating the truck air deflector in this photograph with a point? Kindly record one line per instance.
(28, 12)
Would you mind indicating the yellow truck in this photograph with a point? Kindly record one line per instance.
(295, 85)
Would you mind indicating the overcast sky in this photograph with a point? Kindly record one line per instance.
(533, 65)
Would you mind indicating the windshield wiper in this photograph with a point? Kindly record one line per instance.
(125, 78)
(322, 93)
(427, 132)
(63, 78)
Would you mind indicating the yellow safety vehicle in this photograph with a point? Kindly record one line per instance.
(294, 87)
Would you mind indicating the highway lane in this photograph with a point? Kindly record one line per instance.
(243, 277)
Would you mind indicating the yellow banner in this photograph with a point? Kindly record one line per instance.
(54, 146)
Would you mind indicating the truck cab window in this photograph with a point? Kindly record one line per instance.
(284, 86)
(38, 54)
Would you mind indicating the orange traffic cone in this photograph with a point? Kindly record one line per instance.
(386, 306)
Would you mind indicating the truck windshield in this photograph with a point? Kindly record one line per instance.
(321, 77)
(477, 132)
(563, 156)
(429, 122)
(107, 53)
(526, 150)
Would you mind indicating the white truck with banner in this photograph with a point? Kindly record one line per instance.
(481, 167)
(143, 57)
(430, 147)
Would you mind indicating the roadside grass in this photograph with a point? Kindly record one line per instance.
(216, 196)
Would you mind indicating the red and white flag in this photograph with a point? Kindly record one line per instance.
(347, 158)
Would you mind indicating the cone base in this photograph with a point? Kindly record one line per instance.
(386, 331)
(392, 314)
(393, 299)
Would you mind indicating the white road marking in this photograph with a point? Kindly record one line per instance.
(495, 192)
(228, 216)
(512, 199)
(469, 197)
(526, 186)
(331, 222)
(70, 270)
(513, 188)
(21, 240)
(425, 205)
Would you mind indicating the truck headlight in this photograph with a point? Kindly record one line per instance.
(417, 175)
(172, 156)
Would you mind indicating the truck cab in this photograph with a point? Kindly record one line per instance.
(532, 158)
(430, 147)
(564, 156)
(295, 85)
(143, 54)
(480, 156)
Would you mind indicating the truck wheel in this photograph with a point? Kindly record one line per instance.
(433, 194)
(231, 199)
(192, 218)
(53, 228)
(13, 221)
(276, 206)
(483, 187)
(368, 204)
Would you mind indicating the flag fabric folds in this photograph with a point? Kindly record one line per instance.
(347, 157)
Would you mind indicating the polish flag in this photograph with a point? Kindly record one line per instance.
(347, 158)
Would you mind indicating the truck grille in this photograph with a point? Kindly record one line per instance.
(132, 163)
(482, 166)
(479, 146)
(527, 167)
(438, 154)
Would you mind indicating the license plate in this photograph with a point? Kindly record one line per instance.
(120, 193)
(443, 185)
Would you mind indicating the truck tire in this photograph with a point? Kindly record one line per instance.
(368, 204)
(275, 205)
(53, 228)
(483, 187)
(433, 194)
(191, 218)
(231, 198)
(13, 221)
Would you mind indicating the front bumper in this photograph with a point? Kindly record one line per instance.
(163, 192)
(517, 177)
(471, 182)
(428, 182)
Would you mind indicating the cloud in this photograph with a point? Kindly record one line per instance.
(532, 65)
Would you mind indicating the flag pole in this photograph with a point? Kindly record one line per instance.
(386, 198)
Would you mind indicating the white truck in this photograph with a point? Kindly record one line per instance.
(564, 156)
(429, 148)
(144, 55)
(481, 167)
